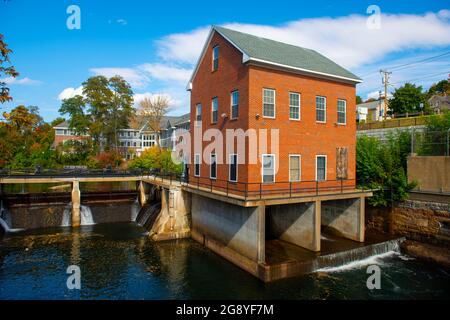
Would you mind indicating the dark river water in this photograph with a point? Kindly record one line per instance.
(117, 261)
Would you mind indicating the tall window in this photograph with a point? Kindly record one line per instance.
(294, 106)
(269, 103)
(198, 112)
(197, 165)
(233, 167)
(234, 104)
(215, 58)
(321, 168)
(342, 112)
(321, 109)
(268, 168)
(213, 167)
(214, 110)
(294, 168)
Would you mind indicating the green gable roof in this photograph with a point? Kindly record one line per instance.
(283, 54)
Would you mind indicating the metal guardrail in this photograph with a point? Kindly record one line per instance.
(245, 190)
(255, 190)
(82, 173)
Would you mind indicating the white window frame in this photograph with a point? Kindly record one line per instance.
(299, 106)
(214, 59)
(262, 167)
(345, 112)
(232, 105)
(212, 110)
(326, 163)
(299, 167)
(197, 163)
(325, 110)
(237, 167)
(197, 113)
(274, 103)
(211, 166)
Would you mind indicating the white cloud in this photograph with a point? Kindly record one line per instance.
(346, 40)
(173, 103)
(167, 72)
(133, 76)
(22, 81)
(373, 95)
(70, 93)
(183, 47)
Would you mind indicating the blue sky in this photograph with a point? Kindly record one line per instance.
(155, 44)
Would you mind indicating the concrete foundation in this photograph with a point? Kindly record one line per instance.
(234, 232)
(173, 221)
(298, 224)
(345, 217)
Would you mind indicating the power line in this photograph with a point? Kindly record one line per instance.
(423, 77)
(407, 65)
(401, 67)
(427, 76)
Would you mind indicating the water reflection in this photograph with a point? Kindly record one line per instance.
(118, 261)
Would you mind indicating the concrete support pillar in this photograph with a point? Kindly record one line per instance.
(298, 224)
(173, 221)
(76, 204)
(345, 217)
(362, 219)
(317, 226)
(261, 234)
(142, 195)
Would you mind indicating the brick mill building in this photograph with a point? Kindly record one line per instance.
(245, 82)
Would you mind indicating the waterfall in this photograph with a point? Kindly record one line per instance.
(135, 207)
(5, 219)
(359, 257)
(67, 216)
(85, 213)
(148, 215)
(86, 216)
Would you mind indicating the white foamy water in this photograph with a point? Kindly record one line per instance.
(86, 216)
(5, 220)
(358, 264)
(135, 207)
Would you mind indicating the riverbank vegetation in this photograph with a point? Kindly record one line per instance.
(383, 166)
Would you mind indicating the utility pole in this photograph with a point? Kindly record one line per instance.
(385, 74)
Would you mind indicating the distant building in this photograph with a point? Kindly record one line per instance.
(172, 128)
(439, 103)
(370, 111)
(132, 142)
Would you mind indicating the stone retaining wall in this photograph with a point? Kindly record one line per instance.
(422, 221)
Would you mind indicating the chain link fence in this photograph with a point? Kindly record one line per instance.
(430, 143)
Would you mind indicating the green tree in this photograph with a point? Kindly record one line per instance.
(57, 121)
(359, 100)
(440, 88)
(382, 166)
(25, 140)
(6, 70)
(157, 159)
(105, 107)
(408, 99)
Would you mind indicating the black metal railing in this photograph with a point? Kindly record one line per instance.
(259, 190)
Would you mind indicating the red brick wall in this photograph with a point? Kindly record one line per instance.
(61, 139)
(231, 75)
(304, 137)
